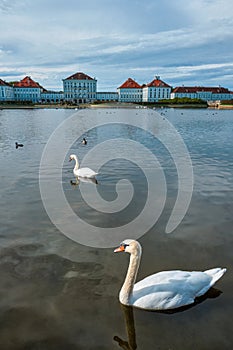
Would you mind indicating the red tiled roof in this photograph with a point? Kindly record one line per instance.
(79, 76)
(130, 84)
(28, 83)
(3, 83)
(195, 89)
(157, 83)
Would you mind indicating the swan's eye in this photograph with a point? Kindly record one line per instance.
(125, 245)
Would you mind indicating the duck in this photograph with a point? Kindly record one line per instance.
(18, 145)
(82, 172)
(84, 141)
(165, 290)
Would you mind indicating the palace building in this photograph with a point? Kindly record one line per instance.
(6, 91)
(156, 90)
(131, 91)
(81, 88)
(27, 90)
(202, 93)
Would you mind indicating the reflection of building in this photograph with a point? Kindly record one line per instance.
(79, 88)
(6, 91)
(203, 93)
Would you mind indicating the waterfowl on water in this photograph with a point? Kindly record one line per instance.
(84, 141)
(18, 145)
(163, 290)
(81, 172)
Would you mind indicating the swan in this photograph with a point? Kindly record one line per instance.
(82, 172)
(163, 290)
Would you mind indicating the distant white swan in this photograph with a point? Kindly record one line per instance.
(163, 290)
(82, 172)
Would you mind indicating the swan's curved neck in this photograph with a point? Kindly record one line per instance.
(76, 163)
(130, 278)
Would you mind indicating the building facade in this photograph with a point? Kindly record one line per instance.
(51, 96)
(27, 90)
(203, 93)
(6, 91)
(80, 88)
(106, 96)
(156, 90)
(130, 91)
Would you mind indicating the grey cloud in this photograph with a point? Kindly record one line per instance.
(111, 41)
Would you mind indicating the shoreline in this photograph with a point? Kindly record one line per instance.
(112, 105)
(225, 107)
(39, 107)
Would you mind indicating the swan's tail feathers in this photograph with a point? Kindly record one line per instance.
(216, 274)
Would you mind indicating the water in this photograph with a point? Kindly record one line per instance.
(58, 294)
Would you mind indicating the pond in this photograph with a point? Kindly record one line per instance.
(62, 293)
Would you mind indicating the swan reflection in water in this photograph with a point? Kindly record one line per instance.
(130, 343)
(130, 329)
(83, 179)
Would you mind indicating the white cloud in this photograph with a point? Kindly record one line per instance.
(182, 39)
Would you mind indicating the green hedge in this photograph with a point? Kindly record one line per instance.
(182, 101)
(227, 102)
(16, 103)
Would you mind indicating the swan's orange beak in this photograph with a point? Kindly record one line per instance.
(119, 249)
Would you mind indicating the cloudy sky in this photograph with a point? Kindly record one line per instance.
(185, 42)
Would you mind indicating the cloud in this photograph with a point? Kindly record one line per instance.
(51, 41)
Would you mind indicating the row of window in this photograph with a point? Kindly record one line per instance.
(75, 96)
(130, 96)
(26, 97)
(27, 90)
(78, 85)
(82, 89)
(159, 95)
(202, 96)
(125, 91)
(139, 98)
(157, 90)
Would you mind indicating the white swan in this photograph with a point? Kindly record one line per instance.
(82, 172)
(163, 290)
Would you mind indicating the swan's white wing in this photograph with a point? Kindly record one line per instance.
(85, 172)
(161, 277)
(170, 289)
